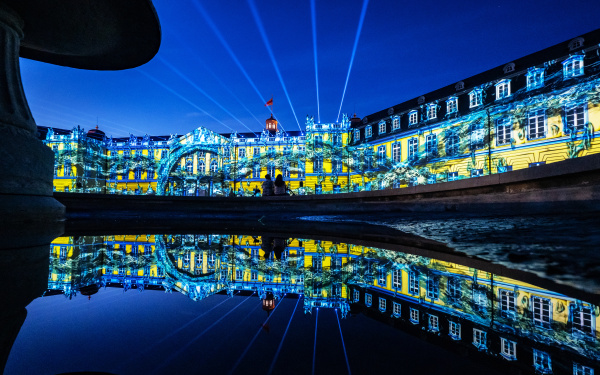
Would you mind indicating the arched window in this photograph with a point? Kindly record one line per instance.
(189, 165)
(201, 167)
(214, 166)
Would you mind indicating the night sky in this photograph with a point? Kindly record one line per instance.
(214, 68)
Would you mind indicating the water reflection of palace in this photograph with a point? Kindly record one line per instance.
(462, 308)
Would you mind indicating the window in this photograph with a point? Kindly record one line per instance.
(413, 283)
(242, 153)
(452, 105)
(573, 66)
(537, 124)
(576, 118)
(397, 279)
(357, 135)
(395, 123)
(397, 309)
(214, 166)
(454, 330)
(579, 369)
(414, 316)
(477, 135)
(535, 78)
(318, 164)
(476, 172)
(431, 144)
(271, 152)
(582, 320)
(381, 154)
(396, 155)
(542, 311)
(413, 117)
(201, 167)
(254, 275)
(480, 298)
(507, 303)
(256, 171)
(503, 128)
(356, 295)
(137, 173)
(368, 132)
(433, 287)
(479, 338)
(368, 299)
(431, 111)
(67, 168)
(271, 169)
(434, 324)
(336, 166)
(452, 176)
(508, 349)
(381, 127)
(256, 152)
(454, 288)
(452, 142)
(475, 98)
(413, 148)
(503, 89)
(542, 362)
(317, 263)
(382, 277)
(382, 304)
(239, 274)
(150, 174)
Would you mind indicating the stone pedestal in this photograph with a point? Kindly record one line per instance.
(26, 164)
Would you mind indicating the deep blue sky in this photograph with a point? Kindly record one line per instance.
(406, 49)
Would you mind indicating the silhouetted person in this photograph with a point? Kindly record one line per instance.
(280, 187)
(267, 186)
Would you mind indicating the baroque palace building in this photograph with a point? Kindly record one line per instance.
(541, 108)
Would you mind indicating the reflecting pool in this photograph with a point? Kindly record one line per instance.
(269, 303)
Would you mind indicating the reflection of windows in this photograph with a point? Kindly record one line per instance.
(542, 311)
(573, 66)
(397, 309)
(201, 167)
(576, 117)
(382, 304)
(454, 330)
(382, 127)
(535, 78)
(507, 303)
(542, 362)
(137, 173)
(508, 349)
(239, 274)
(413, 117)
(503, 127)
(414, 316)
(452, 105)
(479, 338)
(581, 318)
(413, 283)
(368, 299)
(336, 165)
(537, 124)
(271, 169)
(413, 148)
(475, 98)
(503, 89)
(396, 155)
(397, 279)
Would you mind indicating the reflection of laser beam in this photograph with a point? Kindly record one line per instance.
(214, 28)
(315, 344)
(313, 14)
(360, 24)
(282, 339)
(184, 99)
(263, 34)
(343, 345)
(185, 78)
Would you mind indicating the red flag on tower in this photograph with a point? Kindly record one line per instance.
(269, 102)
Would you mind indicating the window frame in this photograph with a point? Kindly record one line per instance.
(533, 122)
(573, 67)
(431, 111)
(451, 105)
(382, 127)
(396, 152)
(414, 316)
(541, 311)
(508, 349)
(454, 330)
(535, 78)
(413, 117)
(574, 125)
(503, 137)
(431, 145)
(479, 339)
(368, 131)
(475, 98)
(503, 89)
(395, 123)
(413, 148)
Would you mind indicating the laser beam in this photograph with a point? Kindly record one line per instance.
(360, 25)
(313, 14)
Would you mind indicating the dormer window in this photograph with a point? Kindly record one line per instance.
(382, 127)
(535, 78)
(503, 89)
(421, 100)
(475, 98)
(576, 44)
(431, 111)
(395, 123)
(573, 66)
(508, 68)
(413, 117)
(368, 132)
(452, 105)
(459, 86)
(356, 135)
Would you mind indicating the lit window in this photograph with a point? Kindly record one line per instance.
(475, 98)
(454, 330)
(537, 124)
(433, 287)
(414, 316)
(573, 66)
(413, 117)
(368, 299)
(431, 145)
(256, 152)
(542, 311)
(382, 304)
(381, 154)
(479, 338)
(239, 274)
(368, 132)
(356, 295)
(542, 362)
(582, 320)
(242, 153)
(452, 105)
(381, 127)
(397, 279)
(396, 155)
(508, 349)
(503, 89)
(434, 323)
(254, 275)
(214, 166)
(535, 78)
(431, 111)
(356, 135)
(396, 123)
(503, 128)
(576, 117)
(507, 303)
(477, 135)
(413, 283)
(579, 369)
(413, 148)
(382, 279)
(397, 309)
(452, 142)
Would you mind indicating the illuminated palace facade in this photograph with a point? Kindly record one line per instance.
(539, 109)
(471, 311)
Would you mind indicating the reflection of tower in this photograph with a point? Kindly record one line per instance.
(271, 124)
(268, 303)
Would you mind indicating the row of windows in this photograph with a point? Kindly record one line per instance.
(271, 152)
